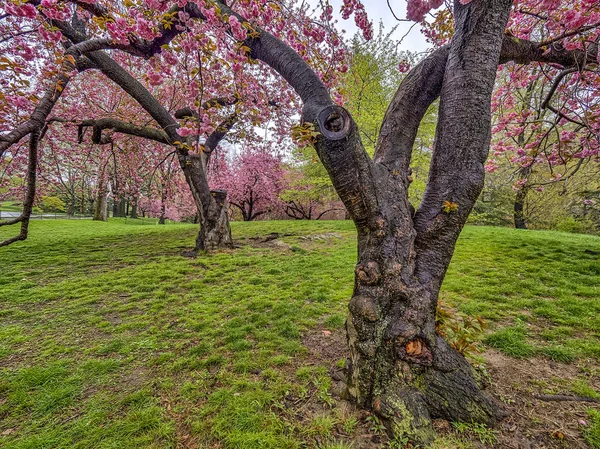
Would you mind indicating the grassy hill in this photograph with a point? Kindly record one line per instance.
(109, 338)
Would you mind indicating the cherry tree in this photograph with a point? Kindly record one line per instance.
(254, 181)
(202, 85)
(399, 366)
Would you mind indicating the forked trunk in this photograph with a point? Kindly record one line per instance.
(400, 367)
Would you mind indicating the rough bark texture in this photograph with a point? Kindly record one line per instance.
(215, 231)
(399, 367)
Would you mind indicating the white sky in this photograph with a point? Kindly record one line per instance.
(378, 10)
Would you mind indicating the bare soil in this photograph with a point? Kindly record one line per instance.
(531, 423)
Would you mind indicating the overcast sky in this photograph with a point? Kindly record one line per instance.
(378, 10)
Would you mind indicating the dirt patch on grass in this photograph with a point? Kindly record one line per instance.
(532, 423)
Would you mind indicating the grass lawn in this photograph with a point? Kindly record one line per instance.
(110, 339)
(11, 206)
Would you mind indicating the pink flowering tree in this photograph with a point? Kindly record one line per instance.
(546, 114)
(200, 78)
(254, 181)
(399, 367)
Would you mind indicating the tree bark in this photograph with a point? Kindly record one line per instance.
(163, 205)
(519, 208)
(215, 231)
(100, 206)
(134, 208)
(399, 367)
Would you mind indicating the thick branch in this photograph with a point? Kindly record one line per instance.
(522, 51)
(123, 127)
(419, 89)
(462, 136)
(422, 86)
(290, 65)
(218, 134)
(38, 117)
(30, 195)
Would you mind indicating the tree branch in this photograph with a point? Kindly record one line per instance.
(462, 136)
(121, 127)
(30, 195)
(218, 134)
(418, 90)
(213, 102)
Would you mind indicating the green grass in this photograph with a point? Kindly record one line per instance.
(11, 206)
(592, 433)
(108, 335)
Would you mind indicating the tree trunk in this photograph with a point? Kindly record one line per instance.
(399, 367)
(519, 206)
(212, 207)
(134, 209)
(99, 204)
(122, 208)
(519, 213)
(163, 206)
(215, 231)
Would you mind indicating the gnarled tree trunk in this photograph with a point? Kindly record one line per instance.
(399, 367)
(215, 231)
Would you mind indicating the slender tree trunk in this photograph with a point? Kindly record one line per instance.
(163, 206)
(134, 208)
(519, 208)
(521, 195)
(121, 205)
(99, 204)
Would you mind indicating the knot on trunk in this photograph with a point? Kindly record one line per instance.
(400, 332)
(220, 196)
(368, 273)
(364, 307)
(334, 122)
(416, 351)
(380, 225)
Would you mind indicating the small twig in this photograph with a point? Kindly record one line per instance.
(564, 397)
